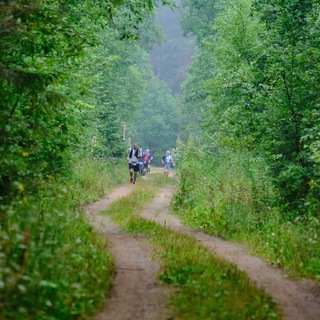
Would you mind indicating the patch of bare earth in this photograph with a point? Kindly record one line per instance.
(136, 294)
(298, 300)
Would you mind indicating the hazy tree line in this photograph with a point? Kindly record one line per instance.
(251, 119)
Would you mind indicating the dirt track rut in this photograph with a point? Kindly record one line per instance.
(298, 300)
(136, 294)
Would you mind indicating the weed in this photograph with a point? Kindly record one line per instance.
(233, 198)
(52, 264)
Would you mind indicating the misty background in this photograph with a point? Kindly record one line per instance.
(158, 126)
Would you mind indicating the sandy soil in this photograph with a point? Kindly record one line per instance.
(137, 295)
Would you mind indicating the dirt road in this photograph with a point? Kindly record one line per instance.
(137, 295)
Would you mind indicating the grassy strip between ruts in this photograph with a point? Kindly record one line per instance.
(207, 287)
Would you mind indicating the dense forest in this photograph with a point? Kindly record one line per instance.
(79, 82)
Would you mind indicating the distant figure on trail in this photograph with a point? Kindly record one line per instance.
(150, 159)
(147, 157)
(141, 165)
(167, 160)
(133, 156)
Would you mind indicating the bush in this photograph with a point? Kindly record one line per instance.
(53, 265)
(229, 194)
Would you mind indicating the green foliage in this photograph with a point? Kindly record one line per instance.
(53, 265)
(128, 15)
(207, 287)
(198, 17)
(226, 181)
(43, 119)
(53, 99)
(292, 73)
(262, 93)
(230, 194)
(158, 123)
(259, 103)
(65, 77)
(119, 90)
(196, 20)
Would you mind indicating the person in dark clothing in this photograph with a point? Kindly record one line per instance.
(133, 156)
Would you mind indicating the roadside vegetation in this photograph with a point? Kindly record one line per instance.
(53, 265)
(249, 158)
(206, 286)
(232, 196)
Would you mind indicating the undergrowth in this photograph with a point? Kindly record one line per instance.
(207, 287)
(52, 264)
(231, 196)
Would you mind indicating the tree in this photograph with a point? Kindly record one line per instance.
(43, 46)
(262, 93)
(293, 76)
(157, 126)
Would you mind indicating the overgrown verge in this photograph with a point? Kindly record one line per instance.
(230, 195)
(207, 287)
(52, 264)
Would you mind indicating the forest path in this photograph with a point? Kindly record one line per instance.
(137, 295)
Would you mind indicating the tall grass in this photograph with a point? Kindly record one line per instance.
(206, 286)
(52, 264)
(230, 195)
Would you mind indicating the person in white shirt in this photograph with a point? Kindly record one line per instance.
(133, 156)
(167, 160)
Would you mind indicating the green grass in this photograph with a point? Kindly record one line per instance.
(52, 263)
(206, 286)
(159, 179)
(233, 199)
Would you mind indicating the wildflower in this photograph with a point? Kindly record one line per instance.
(311, 183)
(25, 154)
(51, 178)
(25, 200)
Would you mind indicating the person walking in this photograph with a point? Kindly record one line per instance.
(147, 157)
(133, 156)
(150, 159)
(166, 161)
(141, 165)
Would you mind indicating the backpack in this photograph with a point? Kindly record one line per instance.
(136, 153)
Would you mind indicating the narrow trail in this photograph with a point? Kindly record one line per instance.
(137, 295)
